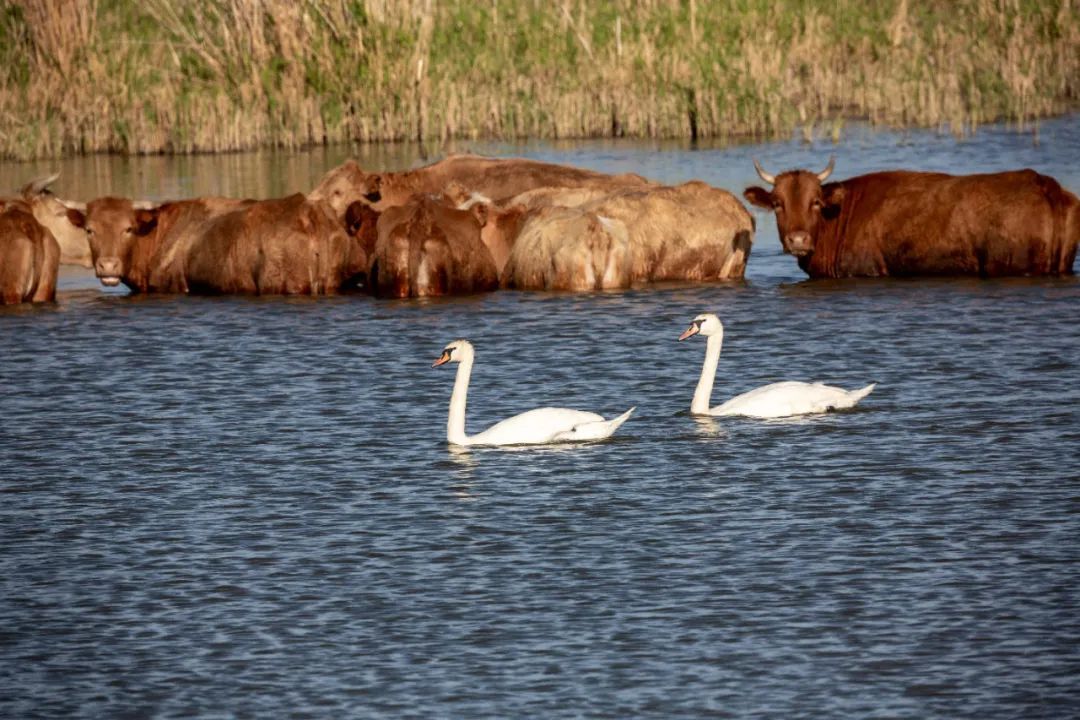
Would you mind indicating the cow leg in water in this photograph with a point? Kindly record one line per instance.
(257, 280)
(373, 278)
(47, 270)
(981, 258)
(17, 271)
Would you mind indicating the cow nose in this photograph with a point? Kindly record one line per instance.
(107, 267)
(798, 243)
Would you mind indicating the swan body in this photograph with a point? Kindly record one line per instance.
(784, 399)
(535, 427)
(777, 400)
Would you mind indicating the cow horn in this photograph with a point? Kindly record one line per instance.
(36, 187)
(764, 175)
(72, 205)
(824, 174)
(144, 204)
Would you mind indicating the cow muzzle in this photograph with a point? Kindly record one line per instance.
(108, 271)
(798, 244)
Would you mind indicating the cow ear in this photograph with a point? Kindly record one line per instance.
(758, 196)
(480, 212)
(832, 197)
(374, 188)
(76, 217)
(146, 220)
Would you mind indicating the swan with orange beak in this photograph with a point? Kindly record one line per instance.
(535, 427)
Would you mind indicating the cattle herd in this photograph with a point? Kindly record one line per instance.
(470, 224)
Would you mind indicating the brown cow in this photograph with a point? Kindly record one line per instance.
(429, 247)
(29, 256)
(915, 223)
(361, 224)
(495, 179)
(285, 246)
(146, 247)
(51, 212)
(572, 240)
(223, 246)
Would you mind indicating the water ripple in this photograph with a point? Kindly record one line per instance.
(231, 507)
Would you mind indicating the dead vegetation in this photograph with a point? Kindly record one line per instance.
(80, 76)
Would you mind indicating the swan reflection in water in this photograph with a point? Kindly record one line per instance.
(707, 426)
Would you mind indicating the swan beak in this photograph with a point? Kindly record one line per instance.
(690, 332)
(443, 359)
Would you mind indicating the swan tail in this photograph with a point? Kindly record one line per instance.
(856, 395)
(616, 422)
(596, 430)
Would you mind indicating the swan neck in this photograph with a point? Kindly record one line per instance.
(700, 403)
(455, 423)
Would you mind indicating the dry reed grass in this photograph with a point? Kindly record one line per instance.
(219, 75)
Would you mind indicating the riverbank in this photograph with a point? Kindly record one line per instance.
(221, 75)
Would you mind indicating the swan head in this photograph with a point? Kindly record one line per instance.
(705, 324)
(454, 352)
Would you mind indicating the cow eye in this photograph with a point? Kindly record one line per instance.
(129, 230)
(777, 205)
(89, 232)
(817, 205)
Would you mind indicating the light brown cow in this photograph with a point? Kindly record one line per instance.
(428, 247)
(51, 212)
(285, 246)
(495, 179)
(568, 248)
(29, 256)
(144, 247)
(633, 235)
(223, 246)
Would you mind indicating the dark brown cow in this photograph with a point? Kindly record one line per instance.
(428, 247)
(361, 224)
(914, 223)
(495, 179)
(29, 256)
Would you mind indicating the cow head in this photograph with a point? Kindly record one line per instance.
(346, 184)
(800, 201)
(114, 226)
(51, 212)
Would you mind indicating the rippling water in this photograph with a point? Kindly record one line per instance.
(232, 507)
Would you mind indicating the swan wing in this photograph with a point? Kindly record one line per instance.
(534, 427)
(594, 429)
(784, 399)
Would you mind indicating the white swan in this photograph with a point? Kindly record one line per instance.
(535, 427)
(781, 399)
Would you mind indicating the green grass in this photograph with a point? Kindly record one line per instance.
(213, 75)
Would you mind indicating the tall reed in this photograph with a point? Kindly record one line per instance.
(219, 75)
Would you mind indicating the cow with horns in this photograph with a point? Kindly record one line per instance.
(903, 223)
